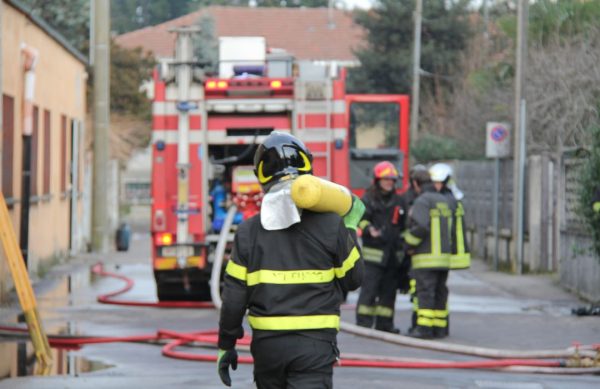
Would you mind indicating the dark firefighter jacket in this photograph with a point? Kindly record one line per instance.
(429, 230)
(387, 214)
(460, 257)
(596, 201)
(289, 280)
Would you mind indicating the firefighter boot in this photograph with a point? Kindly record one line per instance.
(386, 324)
(439, 332)
(421, 332)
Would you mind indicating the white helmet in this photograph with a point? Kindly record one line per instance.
(440, 172)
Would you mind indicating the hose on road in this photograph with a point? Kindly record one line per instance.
(209, 338)
(508, 360)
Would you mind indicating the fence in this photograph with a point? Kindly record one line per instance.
(555, 234)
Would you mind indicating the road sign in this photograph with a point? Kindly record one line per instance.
(497, 144)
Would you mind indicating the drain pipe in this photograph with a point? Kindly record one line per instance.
(215, 276)
(30, 58)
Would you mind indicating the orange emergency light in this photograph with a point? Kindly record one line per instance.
(164, 239)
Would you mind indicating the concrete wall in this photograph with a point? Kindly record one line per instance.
(60, 88)
(579, 267)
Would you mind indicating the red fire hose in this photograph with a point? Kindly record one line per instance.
(108, 298)
(209, 338)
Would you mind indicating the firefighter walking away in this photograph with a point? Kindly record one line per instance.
(290, 269)
(382, 226)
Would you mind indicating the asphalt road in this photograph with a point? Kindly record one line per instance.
(487, 309)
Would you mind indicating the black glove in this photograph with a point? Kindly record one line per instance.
(225, 359)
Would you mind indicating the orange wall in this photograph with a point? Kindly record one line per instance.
(60, 88)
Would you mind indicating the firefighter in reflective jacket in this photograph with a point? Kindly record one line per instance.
(289, 269)
(382, 226)
(428, 241)
(461, 256)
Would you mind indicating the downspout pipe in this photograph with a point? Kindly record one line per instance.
(30, 58)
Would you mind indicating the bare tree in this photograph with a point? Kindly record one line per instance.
(563, 90)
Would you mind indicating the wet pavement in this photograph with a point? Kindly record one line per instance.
(487, 309)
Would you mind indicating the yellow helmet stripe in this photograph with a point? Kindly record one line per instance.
(261, 178)
(307, 166)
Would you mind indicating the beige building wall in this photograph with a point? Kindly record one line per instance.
(60, 89)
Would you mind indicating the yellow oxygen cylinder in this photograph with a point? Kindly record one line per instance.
(319, 195)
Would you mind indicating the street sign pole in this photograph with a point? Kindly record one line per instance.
(495, 208)
(497, 146)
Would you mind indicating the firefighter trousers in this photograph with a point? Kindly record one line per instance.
(293, 361)
(377, 297)
(431, 300)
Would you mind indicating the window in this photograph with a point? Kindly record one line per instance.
(63, 153)
(374, 125)
(8, 134)
(35, 136)
(47, 150)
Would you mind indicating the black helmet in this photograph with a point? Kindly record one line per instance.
(281, 155)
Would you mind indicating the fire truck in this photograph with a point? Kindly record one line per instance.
(206, 129)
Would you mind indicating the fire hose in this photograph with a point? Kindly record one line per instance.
(506, 360)
(526, 362)
(208, 338)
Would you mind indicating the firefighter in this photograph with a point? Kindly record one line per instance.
(409, 198)
(382, 226)
(289, 269)
(411, 193)
(460, 257)
(428, 242)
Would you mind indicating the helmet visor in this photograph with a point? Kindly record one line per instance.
(273, 164)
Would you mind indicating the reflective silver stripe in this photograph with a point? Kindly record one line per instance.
(170, 108)
(320, 107)
(220, 136)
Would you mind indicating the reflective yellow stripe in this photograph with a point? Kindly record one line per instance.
(366, 310)
(440, 313)
(290, 277)
(281, 323)
(236, 271)
(436, 241)
(422, 321)
(372, 254)
(382, 311)
(348, 263)
(440, 323)
(411, 239)
(460, 261)
(424, 261)
(363, 224)
(430, 313)
(596, 206)
(415, 304)
(283, 277)
(460, 238)
(413, 286)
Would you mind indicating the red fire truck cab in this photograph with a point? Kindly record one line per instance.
(206, 130)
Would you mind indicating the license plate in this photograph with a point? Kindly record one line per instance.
(178, 251)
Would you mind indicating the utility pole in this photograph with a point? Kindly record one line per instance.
(519, 153)
(414, 116)
(101, 34)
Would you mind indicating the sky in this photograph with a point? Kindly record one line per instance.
(358, 3)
